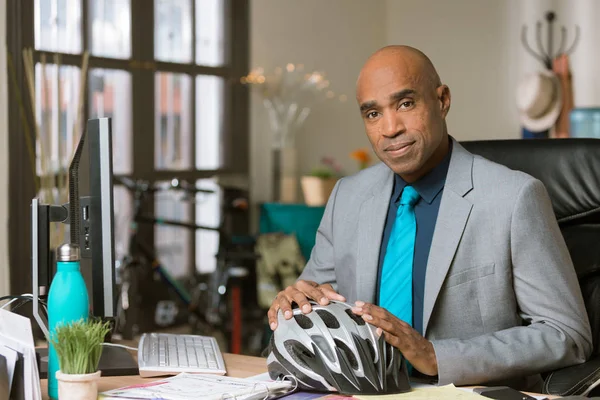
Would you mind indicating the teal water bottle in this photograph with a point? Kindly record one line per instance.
(67, 302)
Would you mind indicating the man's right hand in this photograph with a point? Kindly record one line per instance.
(299, 293)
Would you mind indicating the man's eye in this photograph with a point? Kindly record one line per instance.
(407, 104)
(372, 114)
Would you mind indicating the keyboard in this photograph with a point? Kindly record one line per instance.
(170, 354)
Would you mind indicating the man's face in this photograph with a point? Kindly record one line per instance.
(403, 113)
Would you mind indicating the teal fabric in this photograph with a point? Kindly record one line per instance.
(396, 276)
(299, 219)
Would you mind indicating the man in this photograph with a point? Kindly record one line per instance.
(492, 292)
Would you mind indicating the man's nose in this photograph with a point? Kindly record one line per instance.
(392, 125)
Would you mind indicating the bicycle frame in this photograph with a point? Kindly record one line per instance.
(218, 278)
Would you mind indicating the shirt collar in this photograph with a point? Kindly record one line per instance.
(428, 186)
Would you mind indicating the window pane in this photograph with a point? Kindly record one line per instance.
(173, 30)
(173, 126)
(110, 96)
(172, 242)
(58, 25)
(208, 213)
(57, 137)
(210, 32)
(209, 121)
(110, 28)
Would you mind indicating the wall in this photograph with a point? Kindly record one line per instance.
(476, 48)
(585, 60)
(475, 45)
(4, 270)
(333, 36)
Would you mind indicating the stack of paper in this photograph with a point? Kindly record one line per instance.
(196, 386)
(17, 347)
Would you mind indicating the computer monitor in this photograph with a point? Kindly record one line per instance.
(91, 214)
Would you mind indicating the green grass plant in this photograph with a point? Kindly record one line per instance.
(78, 345)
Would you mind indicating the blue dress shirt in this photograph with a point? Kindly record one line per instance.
(430, 188)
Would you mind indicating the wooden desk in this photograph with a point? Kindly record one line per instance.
(237, 366)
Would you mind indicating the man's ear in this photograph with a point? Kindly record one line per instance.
(443, 94)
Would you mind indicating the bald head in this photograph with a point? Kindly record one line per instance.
(413, 62)
(404, 105)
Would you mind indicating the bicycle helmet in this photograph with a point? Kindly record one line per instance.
(332, 349)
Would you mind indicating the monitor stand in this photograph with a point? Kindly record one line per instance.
(114, 361)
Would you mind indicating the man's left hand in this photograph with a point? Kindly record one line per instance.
(415, 348)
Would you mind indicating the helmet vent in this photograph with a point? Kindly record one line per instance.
(324, 346)
(330, 321)
(343, 347)
(298, 352)
(303, 321)
(389, 354)
(371, 348)
(356, 318)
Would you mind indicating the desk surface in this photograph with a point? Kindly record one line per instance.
(237, 365)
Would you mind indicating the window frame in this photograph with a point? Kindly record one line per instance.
(142, 67)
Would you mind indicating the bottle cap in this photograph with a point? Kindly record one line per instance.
(67, 252)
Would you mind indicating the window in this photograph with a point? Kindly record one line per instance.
(173, 31)
(57, 25)
(165, 72)
(173, 129)
(110, 28)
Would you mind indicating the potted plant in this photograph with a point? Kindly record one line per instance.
(78, 346)
(317, 186)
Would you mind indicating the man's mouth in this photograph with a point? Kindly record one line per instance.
(398, 148)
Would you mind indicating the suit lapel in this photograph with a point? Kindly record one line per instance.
(372, 215)
(451, 221)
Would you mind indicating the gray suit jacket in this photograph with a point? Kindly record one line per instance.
(502, 301)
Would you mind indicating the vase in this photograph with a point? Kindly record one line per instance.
(78, 386)
(285, 174)
(317, 190)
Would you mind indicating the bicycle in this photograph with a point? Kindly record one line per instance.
(204, 298)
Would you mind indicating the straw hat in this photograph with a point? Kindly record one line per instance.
(539, 100)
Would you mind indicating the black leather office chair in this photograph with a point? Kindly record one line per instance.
(570, 170)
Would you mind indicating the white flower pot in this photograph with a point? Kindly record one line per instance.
(317, 190)
(77, 387)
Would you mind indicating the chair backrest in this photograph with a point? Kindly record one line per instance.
(570, 170)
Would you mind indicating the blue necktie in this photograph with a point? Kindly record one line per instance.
(395, 294)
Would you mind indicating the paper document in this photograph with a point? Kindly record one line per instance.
(264, 377)
(537, 397)
(195, 386)
(11, 361)
(449, 392)
(16, 334)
